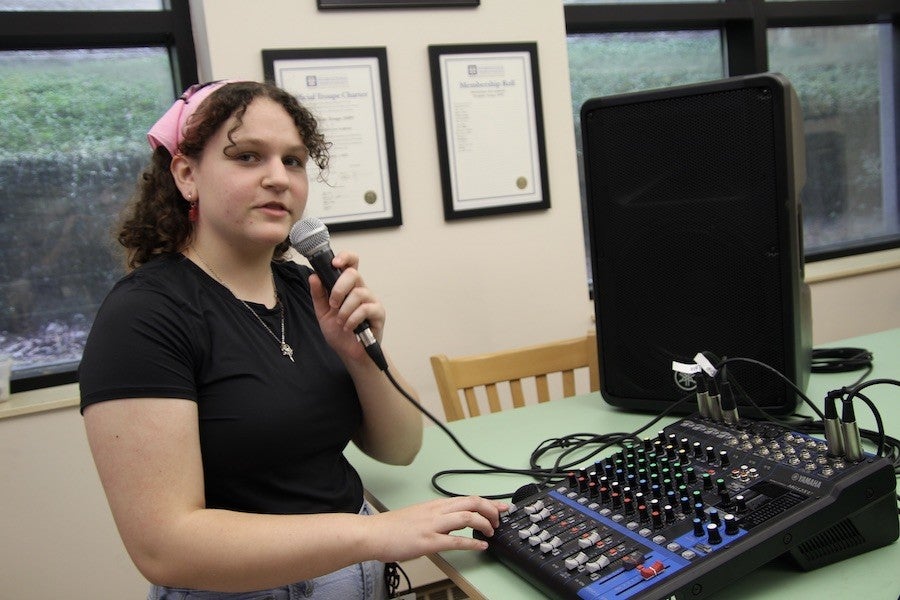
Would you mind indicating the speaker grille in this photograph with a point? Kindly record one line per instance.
(688, 217)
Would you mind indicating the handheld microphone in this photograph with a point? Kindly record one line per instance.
(310, 237)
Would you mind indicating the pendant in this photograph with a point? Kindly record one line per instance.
(287, 351)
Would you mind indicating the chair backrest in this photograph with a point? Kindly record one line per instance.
(494, 371)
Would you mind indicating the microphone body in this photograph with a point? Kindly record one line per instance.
(310, 237)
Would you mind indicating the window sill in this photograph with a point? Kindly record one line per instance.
(42, 400)
(851, 266)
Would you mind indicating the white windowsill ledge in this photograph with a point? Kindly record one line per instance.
(851, 266)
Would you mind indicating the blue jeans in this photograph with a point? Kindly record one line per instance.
(362, 581)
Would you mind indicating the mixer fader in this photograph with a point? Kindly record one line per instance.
(701, 504)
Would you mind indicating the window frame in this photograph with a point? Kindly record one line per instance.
(743, 25)
(68, 30)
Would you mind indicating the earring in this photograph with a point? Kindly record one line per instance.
(192, 207)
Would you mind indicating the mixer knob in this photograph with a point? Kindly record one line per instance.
(713, 534)
(725, 497)
(657, 519)
(616, 500)
(670, 513)
(699, 531)
(710, 454)
(644, 513)
(685, 504)
(670, 497)
(731, 526)
(714, 517)
(723, 458)
(604, 494)
(593, 492)
(697, 449)
(629, 506)
(691, 474)
(699, 512)
(707, 481)
(740, 503)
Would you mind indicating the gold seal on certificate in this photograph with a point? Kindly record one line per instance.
(522, 183)
(370, 197)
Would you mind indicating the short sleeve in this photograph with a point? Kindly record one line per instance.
(143, 344)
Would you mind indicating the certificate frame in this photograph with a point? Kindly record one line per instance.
(490, 130)
(329, 4)
(347, 91)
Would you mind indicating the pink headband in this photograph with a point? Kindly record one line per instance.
(169, 130)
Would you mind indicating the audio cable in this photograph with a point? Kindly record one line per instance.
(577, 448)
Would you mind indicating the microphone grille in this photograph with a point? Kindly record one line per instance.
(308, 235)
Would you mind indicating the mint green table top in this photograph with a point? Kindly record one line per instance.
(508, 438)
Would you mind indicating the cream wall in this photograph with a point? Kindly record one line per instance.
(468, 286)
(460, 287)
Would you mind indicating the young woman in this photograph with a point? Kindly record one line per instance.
(221, 383)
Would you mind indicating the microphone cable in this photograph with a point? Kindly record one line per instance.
(490, 468)
(569, 444)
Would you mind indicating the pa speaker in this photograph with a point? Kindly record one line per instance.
(695, 231)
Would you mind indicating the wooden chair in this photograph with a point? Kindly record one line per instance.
(493, 371)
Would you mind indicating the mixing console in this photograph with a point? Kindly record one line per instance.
(702, 504)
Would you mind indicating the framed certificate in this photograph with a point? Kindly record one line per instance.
(347, 91)
(487, 107)
(393, 3)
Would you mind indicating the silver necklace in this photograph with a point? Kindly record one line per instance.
(286, 349)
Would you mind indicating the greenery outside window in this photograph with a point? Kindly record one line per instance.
(79, 96)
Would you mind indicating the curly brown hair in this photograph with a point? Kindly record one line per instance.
(156, 220)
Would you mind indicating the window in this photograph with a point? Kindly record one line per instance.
(841, 61)
(80, 86)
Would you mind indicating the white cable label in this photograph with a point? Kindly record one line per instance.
(688, 368)
(705, 364)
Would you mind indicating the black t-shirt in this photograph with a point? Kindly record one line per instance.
(272, 431)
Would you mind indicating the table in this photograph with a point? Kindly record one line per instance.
(507, 438)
